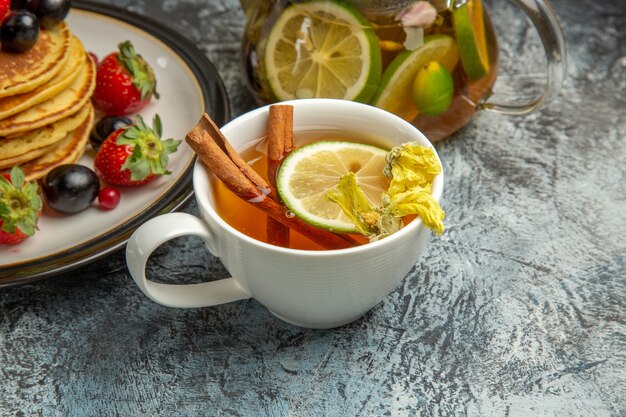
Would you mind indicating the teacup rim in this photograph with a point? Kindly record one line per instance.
(413, 227)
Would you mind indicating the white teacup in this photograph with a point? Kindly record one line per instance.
(317, 289)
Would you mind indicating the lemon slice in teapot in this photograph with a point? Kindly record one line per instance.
(469, 25)
(322, 48)
(396, 92)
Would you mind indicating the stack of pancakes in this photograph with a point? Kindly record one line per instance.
(45, 107)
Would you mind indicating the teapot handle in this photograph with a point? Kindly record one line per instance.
(543, 17)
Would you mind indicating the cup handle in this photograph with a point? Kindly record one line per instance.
(546, 23)
(159, 230)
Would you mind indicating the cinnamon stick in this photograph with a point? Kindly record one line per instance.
(220, 158)
(279, 136)
(209, 126)
(279, 144)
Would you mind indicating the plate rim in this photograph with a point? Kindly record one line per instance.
(215, 100)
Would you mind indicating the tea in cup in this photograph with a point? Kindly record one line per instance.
(318, 278)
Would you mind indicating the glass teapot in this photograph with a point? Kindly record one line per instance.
(433, 63)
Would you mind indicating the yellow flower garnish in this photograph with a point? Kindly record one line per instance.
(409, 166)
(369, 221)
(412, 169)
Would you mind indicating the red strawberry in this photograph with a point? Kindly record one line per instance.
(134, 155)
(20, 207)
(5, 7)
(125, 82)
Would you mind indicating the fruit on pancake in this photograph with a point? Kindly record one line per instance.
(17, 103)
(125, 82)
(134, 155)
(19, 31)
(70, 188)
(105, 127)
(49, 12)
(20, 207)
(109, 198)
(23, 72)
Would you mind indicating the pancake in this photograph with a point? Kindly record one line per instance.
(18, 148)
(14, 104)
(24, 71)
(25, 157)
(62, 105)
(67, 151)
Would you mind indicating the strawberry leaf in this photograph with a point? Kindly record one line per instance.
(130, 134)
(4, 184)
(26, 227)
(158, 127)
(170, 146)
(139, 70)
(20, 203)
(4, 213)
(17, 177)
(150, 154)
(139, 168)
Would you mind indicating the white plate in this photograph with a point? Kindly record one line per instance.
(188, 85)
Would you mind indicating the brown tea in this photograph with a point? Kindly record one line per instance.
(250, 220)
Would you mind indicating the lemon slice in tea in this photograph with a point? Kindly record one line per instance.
(322, 49)
(309, 172)
(469, 25)
(396, 92)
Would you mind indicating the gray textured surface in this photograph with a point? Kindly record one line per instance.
(518, 311)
